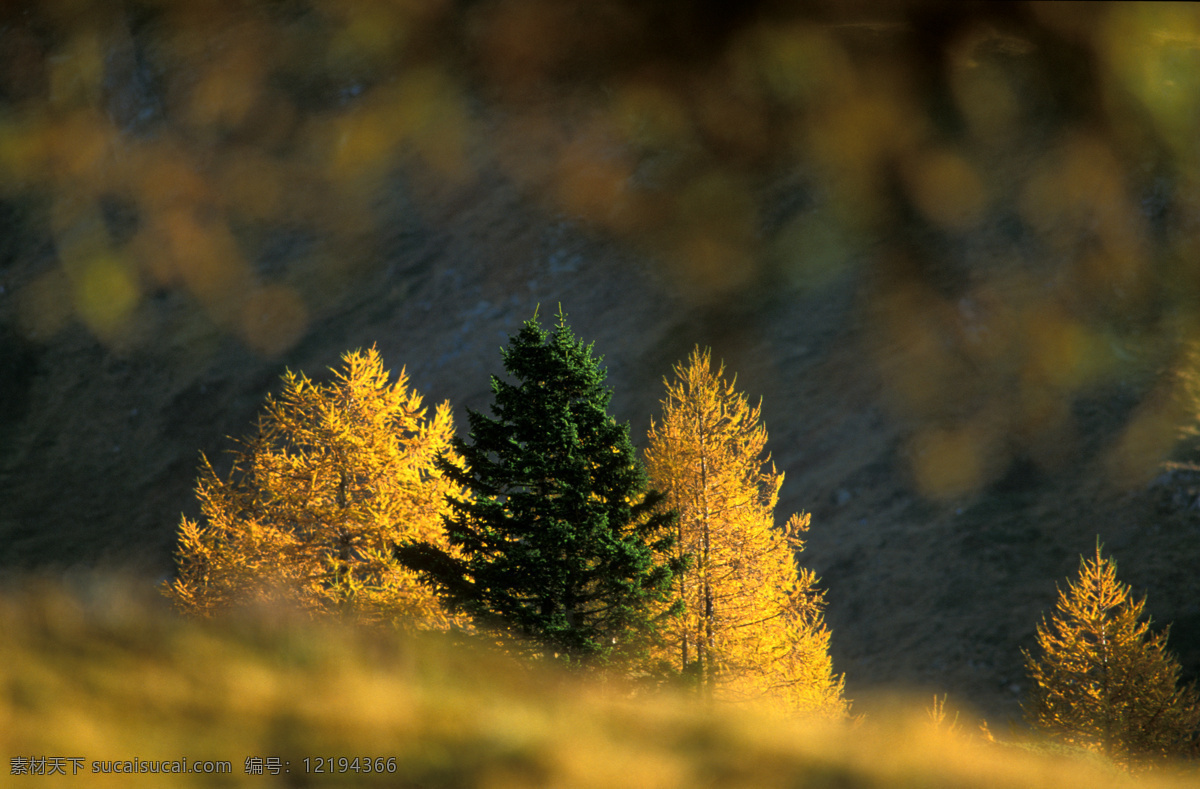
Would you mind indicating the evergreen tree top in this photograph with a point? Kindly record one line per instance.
(561, 542)
(554, 403)
(554, 361)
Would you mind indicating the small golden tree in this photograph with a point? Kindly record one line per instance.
(335, 475)
(752, 625)
(1104, 681)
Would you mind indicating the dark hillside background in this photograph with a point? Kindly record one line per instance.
(953, 247)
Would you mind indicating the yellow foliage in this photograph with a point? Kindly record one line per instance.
(98, 673)
(751, 627)
(1104, 682)
(336, 474)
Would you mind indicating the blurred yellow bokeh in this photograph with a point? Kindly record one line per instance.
(946, 189)
(76, 71)
(106, 292)
(1062, 353)
(954, 462)
(1153, 50)
(1012, 194)
(1147, 440)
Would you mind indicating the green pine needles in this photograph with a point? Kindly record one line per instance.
(562, 546)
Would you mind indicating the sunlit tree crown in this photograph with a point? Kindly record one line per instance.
(751, 626)
(1104, 681)
(334, 475)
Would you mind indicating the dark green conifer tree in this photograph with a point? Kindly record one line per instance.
(562, 546)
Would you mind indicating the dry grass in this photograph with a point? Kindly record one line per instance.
(100, 673)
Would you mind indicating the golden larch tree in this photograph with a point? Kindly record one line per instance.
(752, 627)
(336, 474)
(1105, 681)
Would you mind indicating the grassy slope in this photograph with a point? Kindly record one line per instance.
(100, 674)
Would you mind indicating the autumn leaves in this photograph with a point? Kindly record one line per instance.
(543, 529)
(545, 532)
(1104, 681)
(751, 625)
(335, 474)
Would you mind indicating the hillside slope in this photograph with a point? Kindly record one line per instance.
(949, 248)
(937, 594)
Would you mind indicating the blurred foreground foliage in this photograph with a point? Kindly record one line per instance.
(1015, 184)
(99, 671)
